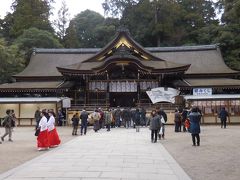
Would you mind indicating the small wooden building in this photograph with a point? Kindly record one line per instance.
(120, 74)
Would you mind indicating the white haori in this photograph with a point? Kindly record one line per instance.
(51, 123)
(43, 124)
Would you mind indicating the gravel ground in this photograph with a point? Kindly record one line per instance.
(216, 159)
(24, 146)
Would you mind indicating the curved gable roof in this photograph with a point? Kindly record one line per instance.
(204, 60)
(124, 48)
(123, 39)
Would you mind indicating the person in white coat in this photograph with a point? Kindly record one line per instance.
(42, 139)
(53, 137)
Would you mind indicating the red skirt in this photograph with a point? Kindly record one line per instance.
(53, 138)
(42, 139)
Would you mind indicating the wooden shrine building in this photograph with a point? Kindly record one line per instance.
(120, 74)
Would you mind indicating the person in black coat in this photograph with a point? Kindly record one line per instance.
(137, 119)
(84, 118)
(223, 117)
(75, 123)
(195, 118)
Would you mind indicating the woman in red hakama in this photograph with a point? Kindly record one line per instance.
(53, 137)
(42, 139)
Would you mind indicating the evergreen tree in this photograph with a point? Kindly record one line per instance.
(30, 13)
(116, 7)
(154, 23)
(71, 39)
(34, 37)
(229, 35)
(197, 19)
(90, 29)
(11, 61)
(5, 26)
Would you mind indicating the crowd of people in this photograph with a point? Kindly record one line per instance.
(189, 120)
(112, 118)
(186, 120)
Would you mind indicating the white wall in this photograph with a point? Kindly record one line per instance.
(27, 111)
(4, 107)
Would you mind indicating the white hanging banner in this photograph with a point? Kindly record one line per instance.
(162, 94)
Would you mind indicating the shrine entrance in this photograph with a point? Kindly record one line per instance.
(123, 99)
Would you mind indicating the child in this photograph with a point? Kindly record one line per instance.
(187, 124)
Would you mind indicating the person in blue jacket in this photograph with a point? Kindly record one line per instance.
(223, 117)
(195, 118)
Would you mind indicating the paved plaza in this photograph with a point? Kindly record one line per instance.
(123, 152)
(118, 154)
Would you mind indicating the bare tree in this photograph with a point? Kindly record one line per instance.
(62, 22)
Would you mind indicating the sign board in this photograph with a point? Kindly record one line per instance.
(66, 103)
(162, 94)
(202, 91)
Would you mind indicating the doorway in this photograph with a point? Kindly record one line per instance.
(123, 99)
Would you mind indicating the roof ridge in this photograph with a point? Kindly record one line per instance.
(151, 49)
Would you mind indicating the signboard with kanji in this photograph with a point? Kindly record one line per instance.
(202, 91)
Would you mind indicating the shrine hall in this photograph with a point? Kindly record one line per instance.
(120, 73)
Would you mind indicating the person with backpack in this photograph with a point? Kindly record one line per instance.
(7, 124)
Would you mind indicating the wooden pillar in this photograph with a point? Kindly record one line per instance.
(86, 90)
(107, 90)
(138, 88)
(75, 97)
(19, 113)
(160, 80)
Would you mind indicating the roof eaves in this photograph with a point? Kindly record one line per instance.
(182, 48)
(66, 51)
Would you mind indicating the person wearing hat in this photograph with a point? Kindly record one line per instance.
(52, 131)
(42, 139)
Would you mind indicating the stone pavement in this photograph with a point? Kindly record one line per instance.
(121, 154)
